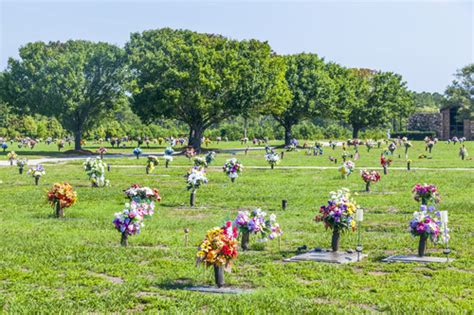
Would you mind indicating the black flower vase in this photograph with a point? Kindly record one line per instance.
(385, 170)
(59, 210)
(245, 241)
(272, 166)
(408, 166)
(147, 170)
(367, 186)
(192, 198)
(20, 170)
(424, 201)
(124, 240)
(166, 164)
(422, 244)
(336, 235)
(219, 275)
(36, 180)
(232, 179)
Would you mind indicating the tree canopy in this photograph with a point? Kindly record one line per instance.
(79, 82)
(202, 79)
(380, 96)
(312, 91)
(461, 92)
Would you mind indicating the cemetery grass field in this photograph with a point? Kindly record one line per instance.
(76, 264)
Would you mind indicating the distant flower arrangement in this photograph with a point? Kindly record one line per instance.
(137, 152)
(195, 177)
(347, 168)
(233, 168)
(257, 222)
(369, 177)
(151, 163)
(210, 157)
(61, 196)
(200, 161)
(425, 193)
(95, 169)
(272, 158)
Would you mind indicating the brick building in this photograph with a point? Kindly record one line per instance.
(452, 126)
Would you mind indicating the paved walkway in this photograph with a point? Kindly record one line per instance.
(283, 167)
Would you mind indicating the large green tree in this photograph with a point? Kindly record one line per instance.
(380, 96)
(313, 92)
(461, 92)
(79, 82)
(202, 79)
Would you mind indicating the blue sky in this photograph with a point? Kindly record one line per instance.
(425, 41)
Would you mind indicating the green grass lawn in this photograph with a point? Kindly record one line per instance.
(76, 264)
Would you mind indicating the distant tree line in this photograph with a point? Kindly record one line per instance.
(179, 81)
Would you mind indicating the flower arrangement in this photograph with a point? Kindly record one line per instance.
(369, 144)
(60, 144)
(21, 163)
(128, 222)
(338, 215)
(369, 177)
(219, 247)
(426, 221)
(429, 145)
(36, 172)
(142, 194)
(272, 158)
(347, 168)
(426, 224)
(169, 151)
(200, 161)
(256, 222)
(407, 144)
(189, 153)
(425, 193)
(11, 156)
(95, 169)
(151, 162)
(210, 157)
(61, 196)
(137, 151)
(4, 146)
(385, 162)
(232, 168)
(101, 151)
(195, 177)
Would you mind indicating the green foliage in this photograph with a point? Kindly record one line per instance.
(312, 91)
(78, 82)
(428, 102)
(202, 79)
(461, 92)
(380, 97)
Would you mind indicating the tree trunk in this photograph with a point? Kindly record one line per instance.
(355, 132)
(195, 136)
(77, 140)
(287, 134)
(246, 125)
